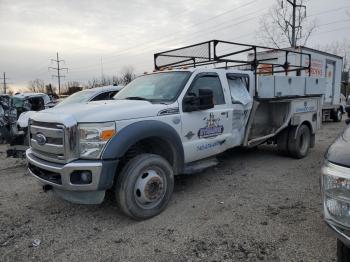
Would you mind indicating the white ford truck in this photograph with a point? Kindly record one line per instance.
(172, 121)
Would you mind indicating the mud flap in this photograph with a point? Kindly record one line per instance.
(313, 141)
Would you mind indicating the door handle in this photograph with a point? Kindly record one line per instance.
(224, 114)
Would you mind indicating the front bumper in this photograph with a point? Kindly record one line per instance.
(342, 234)
(59, 177)
(341, 230)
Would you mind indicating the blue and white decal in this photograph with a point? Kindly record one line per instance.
(212, 128)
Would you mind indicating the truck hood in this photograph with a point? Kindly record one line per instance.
(339, 151)
(101, 111)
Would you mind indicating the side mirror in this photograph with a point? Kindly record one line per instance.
(190, 103)
(347, 121)
(203, 101)
(206, 99)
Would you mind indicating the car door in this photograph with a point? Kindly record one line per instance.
(242, 103)
(205, 132)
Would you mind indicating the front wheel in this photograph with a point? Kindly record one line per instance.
(144, 187)
(299, 141)
(343, 252)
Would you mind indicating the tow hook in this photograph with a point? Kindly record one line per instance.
(47, 188)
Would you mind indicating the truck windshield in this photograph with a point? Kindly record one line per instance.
(160, 87)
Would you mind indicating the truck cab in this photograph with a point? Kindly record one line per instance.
(169, 122)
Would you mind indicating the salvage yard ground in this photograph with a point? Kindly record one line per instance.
(256, 205)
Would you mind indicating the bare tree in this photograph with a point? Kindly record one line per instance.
(117, 80)
(275, 26)
(37, 86)
(340, 48)
(127, 75)
(10, 91)
(71, 87)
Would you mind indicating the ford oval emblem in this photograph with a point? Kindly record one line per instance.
(40, 139)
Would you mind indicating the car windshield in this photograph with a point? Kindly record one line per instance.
(79, 97)
(160, 87)
(17, 102)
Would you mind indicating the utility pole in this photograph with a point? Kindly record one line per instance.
(293, 25)
(101, 70)
(4, 84)
(59, 69)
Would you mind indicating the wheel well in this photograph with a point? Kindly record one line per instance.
(153, 145)
(308, 124)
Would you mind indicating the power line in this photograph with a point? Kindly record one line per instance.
(329, 11)
(192, 36)
(59, 69)
(173, 34)
(214, 29)
(162, 41)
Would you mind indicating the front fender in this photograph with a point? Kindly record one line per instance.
(133, 133)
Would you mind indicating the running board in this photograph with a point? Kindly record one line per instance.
(200, 165)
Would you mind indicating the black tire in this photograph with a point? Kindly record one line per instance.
(144, 187)
(282, 142)
(343, 252)
(338, 115)
(299, 141)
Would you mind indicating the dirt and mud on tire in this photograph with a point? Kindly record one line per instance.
(144, 187)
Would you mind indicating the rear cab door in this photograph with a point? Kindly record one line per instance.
(241, 96)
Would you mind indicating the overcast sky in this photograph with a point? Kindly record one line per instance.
(127, 33)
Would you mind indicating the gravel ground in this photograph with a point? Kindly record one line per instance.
(255, 206)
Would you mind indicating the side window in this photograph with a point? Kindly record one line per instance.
(103, 96)
(239, 89)
(112, 94)
(211, 82)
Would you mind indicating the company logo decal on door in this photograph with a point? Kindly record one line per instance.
(212, 128)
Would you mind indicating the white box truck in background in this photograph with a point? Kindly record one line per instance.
(323, 64)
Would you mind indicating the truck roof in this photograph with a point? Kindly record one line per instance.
(318, 51)
(106, 88)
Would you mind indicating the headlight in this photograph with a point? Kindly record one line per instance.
(336, 193)
(94, 137)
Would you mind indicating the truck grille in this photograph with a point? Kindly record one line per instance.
(45, 174)
(51, 141)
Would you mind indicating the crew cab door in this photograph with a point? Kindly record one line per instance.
(242, 103)
(206, 132)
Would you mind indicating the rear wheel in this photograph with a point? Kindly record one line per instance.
(343, 252)
(338, 116)
(282, 142)
(299, 141)
(144, 187)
